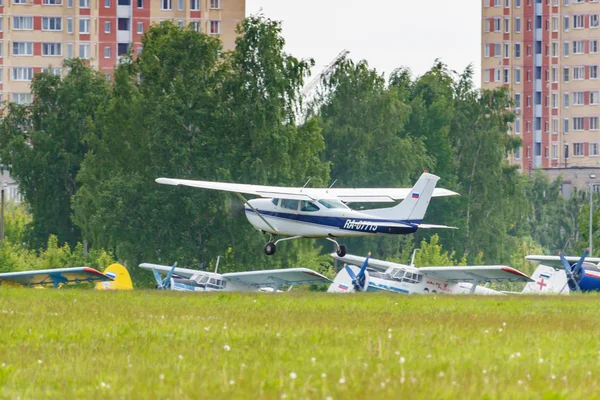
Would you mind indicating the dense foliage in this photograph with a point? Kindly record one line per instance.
(86, 153)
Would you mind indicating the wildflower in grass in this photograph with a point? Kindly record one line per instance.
(314, 360)
(397, 353)
(278, 334)
(328, 398)
(504, 324)
(283, 396)
(255, 300)
(342, 380)
(293, 375)
(499, 329)
(323, 375)
(484, 371)
(519, 382)
(541, 360)
(161, 377)
(226, 347)
(180, 357)
(39, 361)
(428, 355)
(402, 380)
(486, 331)
(402, 360)
(552, 376)
(589, 373)
(231, 381)
(206, 328)
(441, 374)
(382, 384)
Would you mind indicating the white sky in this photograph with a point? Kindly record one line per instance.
(386, 33)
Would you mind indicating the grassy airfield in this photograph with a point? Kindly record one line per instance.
(149, 344)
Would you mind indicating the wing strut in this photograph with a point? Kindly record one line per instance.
(257, 213)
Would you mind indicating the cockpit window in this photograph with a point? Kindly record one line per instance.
(332, 203)
(275, 201)
(308, 206)
(291, 204)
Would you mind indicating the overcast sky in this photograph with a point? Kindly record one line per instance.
(387, 33)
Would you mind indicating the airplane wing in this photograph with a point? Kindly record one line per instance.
(482, 273)
(554, 261)
(366, 195)
(181, 272)
(278, 277)
(375, 264)
(55, 277)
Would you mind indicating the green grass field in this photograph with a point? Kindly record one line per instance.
(150, 344)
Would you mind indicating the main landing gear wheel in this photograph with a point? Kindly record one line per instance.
(341, 250)
(270, 248)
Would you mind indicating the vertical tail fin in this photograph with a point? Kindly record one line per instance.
(414, 206)
(547, 280)
(121, 279)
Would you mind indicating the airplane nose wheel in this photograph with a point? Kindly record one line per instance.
(270, 248)
(341, 250)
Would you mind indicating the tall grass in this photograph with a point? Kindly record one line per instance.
(150, 344)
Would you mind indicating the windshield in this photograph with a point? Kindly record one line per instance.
(332, 203)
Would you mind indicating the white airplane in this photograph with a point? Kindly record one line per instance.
(321, 213)
(377, 275)
(184, 279)
(562, 275)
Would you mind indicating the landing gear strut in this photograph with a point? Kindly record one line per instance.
(271, 246)
(340, 249)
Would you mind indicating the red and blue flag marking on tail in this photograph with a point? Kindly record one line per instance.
(342, 287)
(415, 195)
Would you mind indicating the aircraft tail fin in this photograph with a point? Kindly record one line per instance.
(547, 280)
(414, 206)
(121, 279)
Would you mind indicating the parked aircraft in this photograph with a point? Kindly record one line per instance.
(560, 274)
(376, 275)
(321, 213)
(184, 279)
(67, 276)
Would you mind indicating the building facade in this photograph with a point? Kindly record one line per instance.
(40, 34)
(546, 52)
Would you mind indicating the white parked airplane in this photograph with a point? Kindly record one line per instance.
(184, 279)
(321, 213)
(560, 274)
(376, 275)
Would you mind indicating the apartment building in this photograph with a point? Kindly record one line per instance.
(36, 35)
(546, 53)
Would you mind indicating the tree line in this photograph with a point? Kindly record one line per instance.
(86, 153)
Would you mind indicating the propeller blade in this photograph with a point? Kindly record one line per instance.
(577, 268)
(167, 281)
(565, 264)
(158, 278)
(361, 274)
(349, 271)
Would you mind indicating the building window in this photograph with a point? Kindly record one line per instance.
(594, 98)
(107, 52)
(578, 98)
(517, 50)
(578, 73)
(578, 123)
(215, 4)
(594, 123)
(566, 100)
(577, 149)
(165, 5)
(506, 25)
(554, 49)
(140, 3)
(21, 98)
(554, 100)
(52, 49)
(84, 51)
(593, 46)
(566, 49)
(124, 2)
(52, 2)
(528, 126)
(486, 25)
(22, 48)
(566, 23)
(594, 21)
(518, 75)
(566, 74)
(106, 26)
(506, 50)
(578, 47)
(554, 151)
(517, 25)
(518, 153)
(497, 73)
(53, 71)
(22, 73)
(593, 149)
(122, 48)
(69, 25)
(69, 3)
(196, 26)
(84, 3)
(84, 25)
(486, 50)
(554, 125)
(518, 126)
(140, 27)
(52, 23)
(566, 125)
(506, 75)
(180, 5)
(195, 5)
(215, 29)
(123, 24)
(555, 24)
(593, 72)
(517, 100)
(69, 50)
(19, 1)
(578, 22)
(23, 23)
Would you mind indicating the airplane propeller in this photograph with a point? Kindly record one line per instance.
(164, 283)
(358, 281)
(575, 271)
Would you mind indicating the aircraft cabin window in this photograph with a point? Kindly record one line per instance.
(332, 203)
(308, 206)
(275, 201)
(291, 204)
